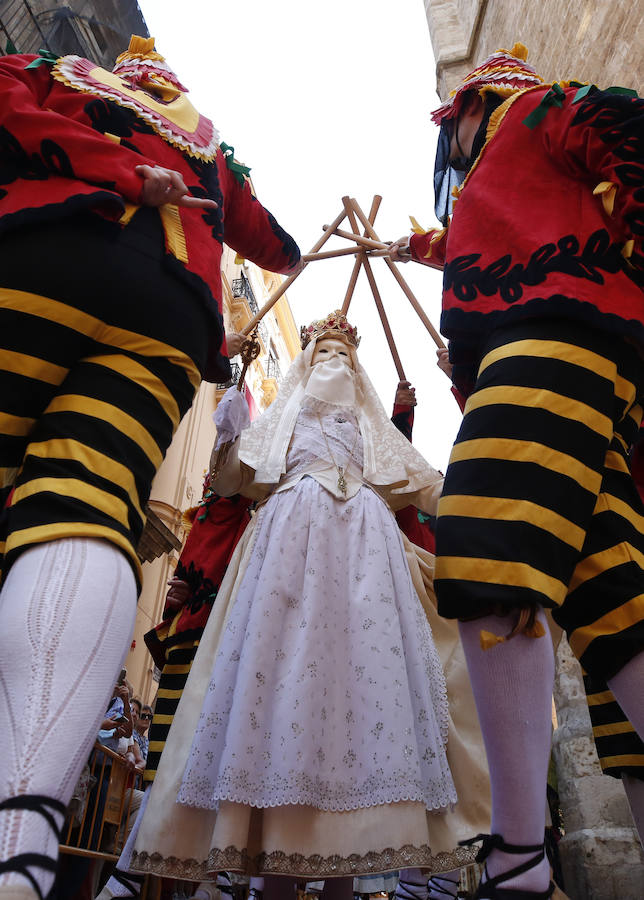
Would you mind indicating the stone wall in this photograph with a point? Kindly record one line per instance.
(96, 29)
(601, 855)
(590, 40)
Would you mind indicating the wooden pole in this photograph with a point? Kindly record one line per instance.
(329, 254)
(352, 283)
(401, 281)
(383, 319)
(285, 285)
(359, 239)
(375, 206)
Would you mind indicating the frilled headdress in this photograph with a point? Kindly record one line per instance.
(503, 73)
(143, 82)
(334, 322)
(141, 61)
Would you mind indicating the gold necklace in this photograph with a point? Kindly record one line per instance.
(342, 481)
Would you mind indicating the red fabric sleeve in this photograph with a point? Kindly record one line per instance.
(598, 139)
(26, 98)
(460, 398)
(252, 230)
(403, 419)
(420, 245)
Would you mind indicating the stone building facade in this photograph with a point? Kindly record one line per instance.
(96, 29)
(597, 41)
(590, 40)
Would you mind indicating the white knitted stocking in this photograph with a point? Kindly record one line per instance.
(66, 615)
(512, 685)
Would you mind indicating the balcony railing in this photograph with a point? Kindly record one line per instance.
(273, 369)
(236, 372)
(241, 288)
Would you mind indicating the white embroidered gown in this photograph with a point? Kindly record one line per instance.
(326, 690)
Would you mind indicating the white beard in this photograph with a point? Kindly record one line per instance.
(333, 382)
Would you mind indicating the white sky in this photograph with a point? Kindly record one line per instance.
(323, 100)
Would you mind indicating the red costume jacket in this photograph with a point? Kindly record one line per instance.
(65, 149)
(549, 221)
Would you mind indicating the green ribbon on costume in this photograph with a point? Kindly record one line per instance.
(423, 517)
(583, 92)
(240, 172)
(554, 97)
(591, 88)
(46, 58)
(627, 92)
(10, 48)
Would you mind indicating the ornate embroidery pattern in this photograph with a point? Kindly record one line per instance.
(17, 163)
(507, 279)
(203, 590)
(621, 118)
(279, 863)
(209, 187)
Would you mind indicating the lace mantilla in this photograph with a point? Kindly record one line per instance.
(388, 458)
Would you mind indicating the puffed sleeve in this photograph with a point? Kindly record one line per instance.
(598, 136)
(251, 230)
(33, 133)
(428, 248)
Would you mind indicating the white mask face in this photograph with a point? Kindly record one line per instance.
(331, 348)
(332, 377)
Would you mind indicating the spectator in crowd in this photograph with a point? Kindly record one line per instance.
(141, 729)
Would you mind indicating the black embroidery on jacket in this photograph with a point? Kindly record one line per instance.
(108, 117)
(621, 119)
(508, 279)
(209, 188)
(202, 590)
(16, 163)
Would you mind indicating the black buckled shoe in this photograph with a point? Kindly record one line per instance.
(44, 806)
(488, 889)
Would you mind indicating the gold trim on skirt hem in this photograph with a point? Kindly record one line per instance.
(295, 864)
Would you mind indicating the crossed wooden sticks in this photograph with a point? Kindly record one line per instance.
(364, 246)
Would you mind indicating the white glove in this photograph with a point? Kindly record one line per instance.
(231, 416)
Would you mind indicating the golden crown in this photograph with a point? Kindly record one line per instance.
(335, 321)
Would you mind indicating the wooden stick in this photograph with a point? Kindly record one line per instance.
(359, 239)
(285, 285)
(401, 281)
(383, 319)
(375, 205)
(351, 216)
(352, 283)
(329, 254)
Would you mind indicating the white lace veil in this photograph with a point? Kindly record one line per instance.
(390, 460)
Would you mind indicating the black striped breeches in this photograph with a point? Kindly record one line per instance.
(100, 356)
(539, 505)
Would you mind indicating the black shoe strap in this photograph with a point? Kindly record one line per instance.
(38, 803)
(490, 842)
(438, 888)
(45, 807)
(20, 863)
(130, 881)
